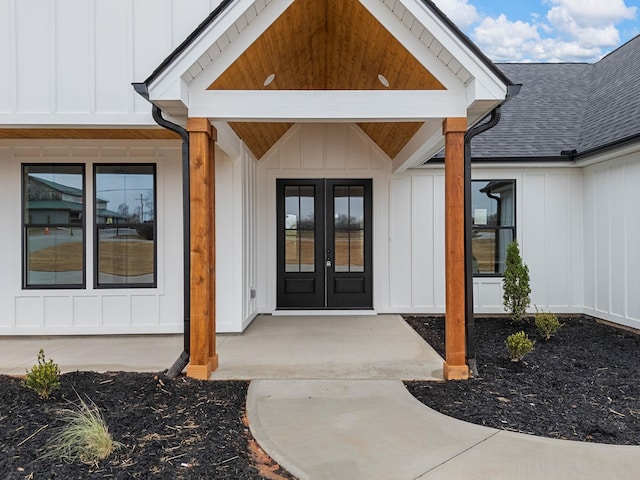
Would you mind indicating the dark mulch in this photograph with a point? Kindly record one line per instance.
(183, 429)
(583, 384)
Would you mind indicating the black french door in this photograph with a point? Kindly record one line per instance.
(324, 256)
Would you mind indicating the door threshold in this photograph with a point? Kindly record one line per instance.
(327, 313)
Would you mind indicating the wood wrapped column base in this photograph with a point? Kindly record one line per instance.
(455, 372)
(203, 372)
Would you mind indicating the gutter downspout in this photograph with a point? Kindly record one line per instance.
(494, 118)
(183, 360)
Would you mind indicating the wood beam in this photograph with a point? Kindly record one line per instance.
(455, 366)
(203, 356)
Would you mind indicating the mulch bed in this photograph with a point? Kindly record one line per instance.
(583, 384)
(182, 429)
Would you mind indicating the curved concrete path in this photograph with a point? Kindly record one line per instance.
(374, 429)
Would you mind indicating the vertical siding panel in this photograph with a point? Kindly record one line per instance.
(185, 20)
(291, 149)
(400, 232)
(422, 241)
(34, 81)
(632, 264)
(336, 146)
(359, 150)
(72, 56)
(112, 50)
(7, 56)
(602, 241)
(577, 241)
(589, 257)
(617, 239)
(533, 234)
(557, 240)
(313, 138)
(438, 242)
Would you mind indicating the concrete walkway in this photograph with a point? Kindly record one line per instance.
(327, 402)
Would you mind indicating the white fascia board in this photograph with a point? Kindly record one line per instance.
(427, 141)
(456, 47)
(249, 35)
(413, 44)
(208, 37)
(327, 105)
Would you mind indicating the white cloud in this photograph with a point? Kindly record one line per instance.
(460, 12)
(591, 13)
(571, 30)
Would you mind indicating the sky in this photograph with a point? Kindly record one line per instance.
(545, 30)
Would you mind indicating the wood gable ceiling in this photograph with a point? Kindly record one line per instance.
(326, 45)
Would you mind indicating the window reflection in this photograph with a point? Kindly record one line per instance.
(299, 224)
(493, 217)
(125, 207)
(53, 221)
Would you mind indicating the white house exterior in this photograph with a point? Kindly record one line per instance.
(66, 99)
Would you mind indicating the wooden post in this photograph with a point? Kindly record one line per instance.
(455, 366)
(203, 356)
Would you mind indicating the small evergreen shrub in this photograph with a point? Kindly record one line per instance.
(43, 378)
(547, 324)
(519, 345)
(84, 437)
(515, 283)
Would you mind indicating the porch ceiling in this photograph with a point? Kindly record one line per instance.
(326, 45)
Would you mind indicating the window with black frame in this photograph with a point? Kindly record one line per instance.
(125, 227)
(493, 218)
(53, 215)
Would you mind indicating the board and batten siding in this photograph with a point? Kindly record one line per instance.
(73, 61)
(90, 310)
(236, 241)
(612, 240)
(548, 228)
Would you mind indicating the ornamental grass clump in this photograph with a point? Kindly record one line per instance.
(519, 345)
(516, 287)
(84, 437)
(44, 377)
(547, 324)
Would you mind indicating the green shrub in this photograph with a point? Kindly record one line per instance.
(516, 287)
(44, 378)
(519, 345)
(547, 324)
(84, 437)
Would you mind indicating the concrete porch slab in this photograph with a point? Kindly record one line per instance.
(373, 347)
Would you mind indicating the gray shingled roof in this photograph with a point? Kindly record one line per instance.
(613, 107)
(544, 118)
(564, 107)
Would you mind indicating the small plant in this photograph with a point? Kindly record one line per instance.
(516, 287)
(84, 437)
(43, 378)
(519, 345)
(547, 324)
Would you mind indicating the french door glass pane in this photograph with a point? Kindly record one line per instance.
(356, 251)
(299, 224)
